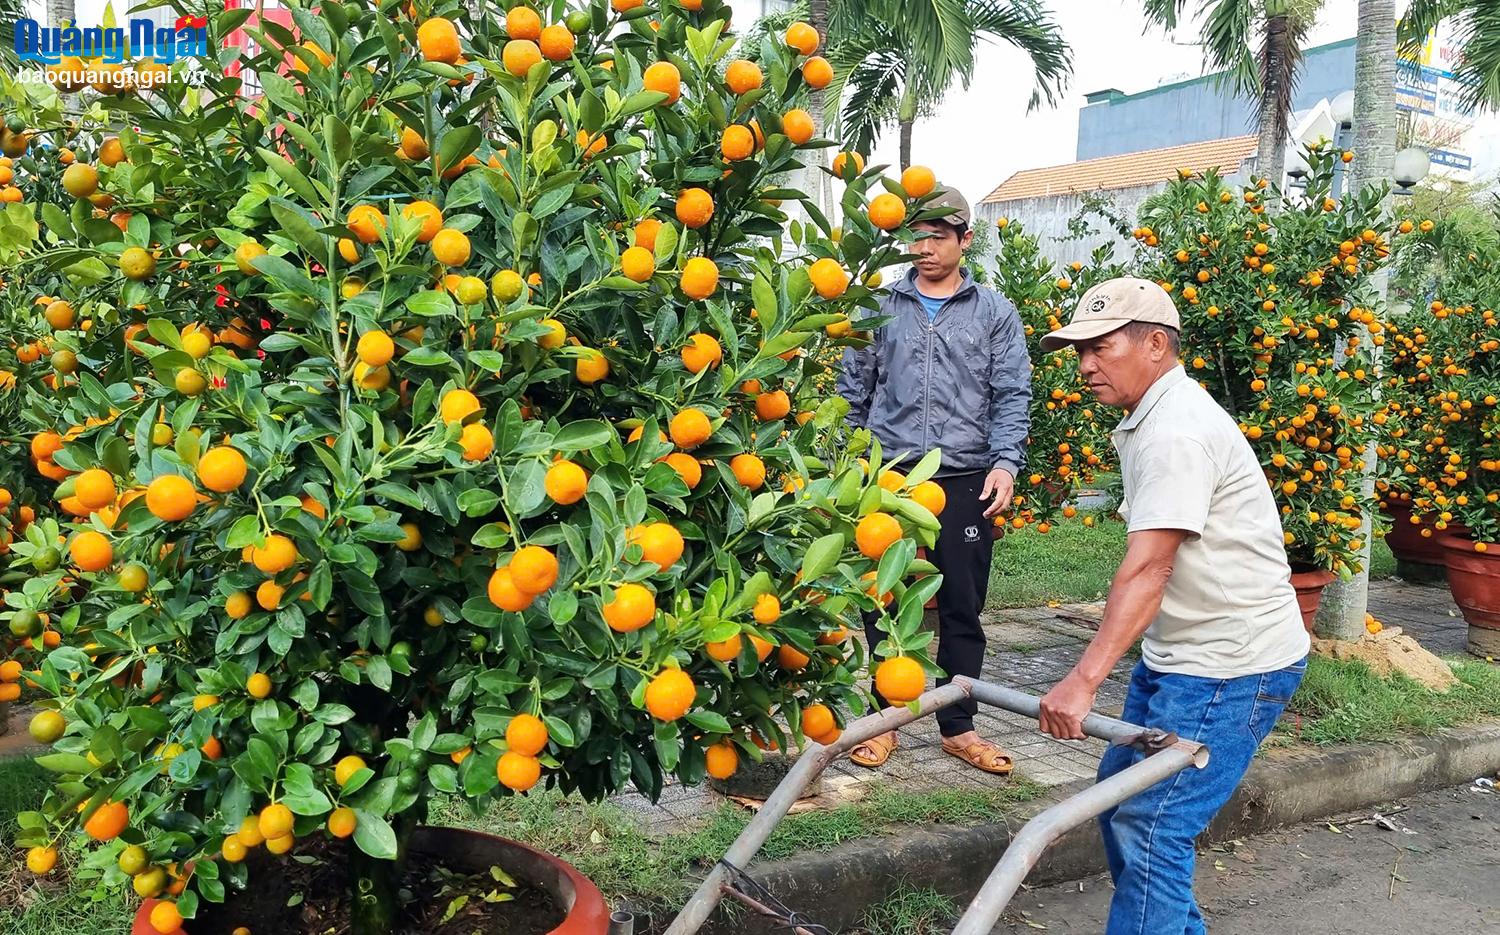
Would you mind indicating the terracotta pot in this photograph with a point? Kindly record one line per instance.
(1309, 585)
(1418, 557)
(1474, 579)
(476, 852)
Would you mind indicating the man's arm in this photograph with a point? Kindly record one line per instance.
(856, 381)
(1010, 408)
(1134, 599)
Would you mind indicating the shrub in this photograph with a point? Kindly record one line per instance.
(1278, 325)
(439, 422)
(1069, 442)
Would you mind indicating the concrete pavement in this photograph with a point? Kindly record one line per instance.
(1431, 871)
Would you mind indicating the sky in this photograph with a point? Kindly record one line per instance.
(979, 136)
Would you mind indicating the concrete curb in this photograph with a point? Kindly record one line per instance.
(1284, 787)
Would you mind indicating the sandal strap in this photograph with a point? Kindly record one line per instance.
(983, 752)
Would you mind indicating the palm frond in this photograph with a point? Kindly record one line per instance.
(1421, 18)
(1164, 13)
(938, 32)
(874, 88)
(10, 11)
(880, 48)
(1226, 44)
(1026, 25)
(1478, 73)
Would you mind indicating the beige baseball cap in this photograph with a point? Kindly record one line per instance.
(1113, 304)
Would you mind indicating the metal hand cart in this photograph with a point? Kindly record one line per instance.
(1167, 755)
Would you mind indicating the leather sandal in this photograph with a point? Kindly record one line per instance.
(983, 755)
(874, 752)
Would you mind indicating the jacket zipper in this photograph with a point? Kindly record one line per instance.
(927, 379)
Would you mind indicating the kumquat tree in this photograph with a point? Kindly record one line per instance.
(439, 422)
(1443, 388)
(1069, 441)
(1277, 324)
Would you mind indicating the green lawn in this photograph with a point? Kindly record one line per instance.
(1070, 563)
(1073, 562)
(58, 905)
(603, 842)
(1344, 702)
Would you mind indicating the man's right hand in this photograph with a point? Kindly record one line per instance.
(1000, 484)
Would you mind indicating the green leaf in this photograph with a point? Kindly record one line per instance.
(244, 532)
(893, 564)
(457, 143)
(430, 303)
(64, 763)
(918, 514)
(295, 226)
(764, 298)
(427, 357)
(925, 468)
(583, 434)
(311, 802)
(292, 176)
(641, 101)
(784, 342)
(374, 835)
(666, 244)
(710, 721)
(560, 731)
(821, 557)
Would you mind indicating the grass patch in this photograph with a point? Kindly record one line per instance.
(1071, 563)
(56, 905)
(910, 910)
(603, 842)
(1344, 702)
(1382, 562)
(22, 785)
(1075, 563)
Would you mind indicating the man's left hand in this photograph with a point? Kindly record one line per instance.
(1000, 484)
(1065, 707)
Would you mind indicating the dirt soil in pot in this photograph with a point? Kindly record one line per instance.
(307, 893)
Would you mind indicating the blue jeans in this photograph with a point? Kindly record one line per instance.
(1148, 839)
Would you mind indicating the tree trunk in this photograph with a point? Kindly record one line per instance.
(906, 118)
(375, 884)
(1270, 156)
(59, 12)
(1345, 603)
(1374, 94)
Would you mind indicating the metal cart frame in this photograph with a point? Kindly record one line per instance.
(1167, 755)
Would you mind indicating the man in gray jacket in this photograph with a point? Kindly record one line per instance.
(948, 370)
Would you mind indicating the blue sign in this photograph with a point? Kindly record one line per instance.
(1442, 157)
(162, 44)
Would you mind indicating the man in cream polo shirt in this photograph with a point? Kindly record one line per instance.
(1204, 584)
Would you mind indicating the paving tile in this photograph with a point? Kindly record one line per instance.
(1031, 649)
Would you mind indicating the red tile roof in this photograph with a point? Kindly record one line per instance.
(1128, 170)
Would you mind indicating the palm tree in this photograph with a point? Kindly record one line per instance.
(1341, 615)
(892, 59)
(1268, 73)
(1476, 29)
(1374, 93)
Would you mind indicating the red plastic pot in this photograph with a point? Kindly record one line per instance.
(476, 852)
(1474, 579)
(1417, 556)
(1309, 585)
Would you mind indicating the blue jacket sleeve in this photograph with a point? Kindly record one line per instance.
(1010, 391)
(857, 381)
